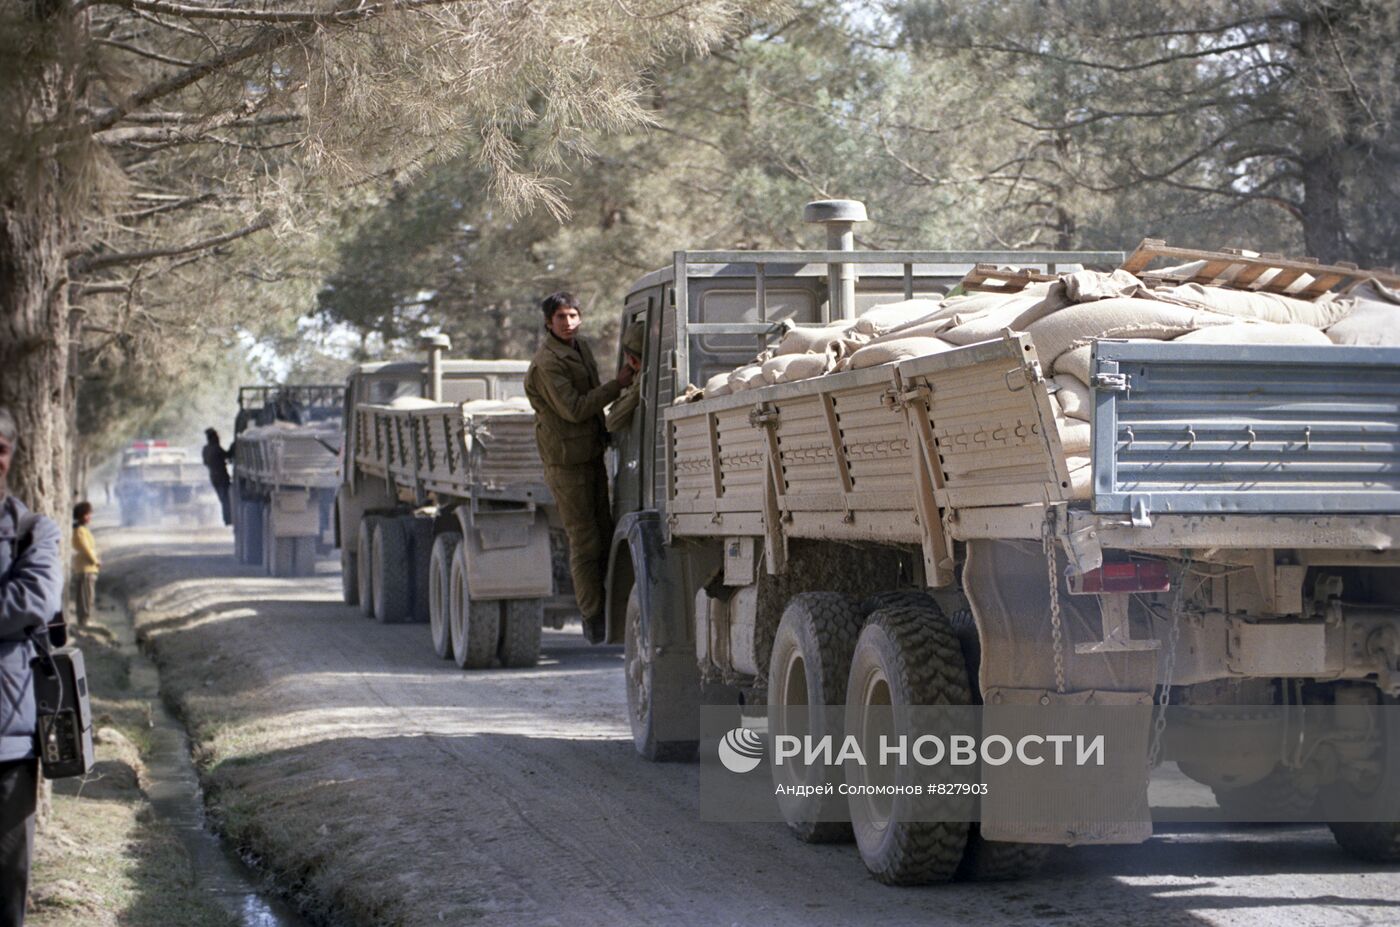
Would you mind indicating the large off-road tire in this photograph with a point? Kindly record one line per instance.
(349, 578)
(522, 620)
(476, 625)
(995, 861)
(364, 559)
(253, 532)
(440, 592)
(1371, 841)
(807, 673)
(905, 657)
(420, 552)
(657, 683)
(1276, 797)
(393, 573)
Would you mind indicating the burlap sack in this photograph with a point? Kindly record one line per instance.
(1081, 477)
(983, 316)
(1267, 307)
(1074, 364)
(717, 385)
(1256, 333)
(809, 340)
(785, 368)
(877, 320)
(1116, 318)
(1085, 286)
(1374, 318)
(1074, 398)
(873, 355)
(746, 377)
(1074, 435)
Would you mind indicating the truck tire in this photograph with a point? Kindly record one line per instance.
(522, 620)
(439, 592)
(420, 551)
(393, 572)
(476, 625)
(365, 563)
(656, 679)
(349, 578)
(905, 657)
(1276, 797)
(808, 668)
(253, 532)
(1371, 841)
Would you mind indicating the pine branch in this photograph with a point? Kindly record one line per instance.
(99, 262)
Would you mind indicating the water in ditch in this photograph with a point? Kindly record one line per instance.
(175, 796)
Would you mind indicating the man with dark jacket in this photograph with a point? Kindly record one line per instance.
(31, 594)
(216, 462)
(564, 389)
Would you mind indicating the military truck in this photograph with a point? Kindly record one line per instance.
(158, 481)
(442, 514)
(285, 471)
(849, 538)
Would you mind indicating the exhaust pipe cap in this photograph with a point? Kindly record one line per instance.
(834, 211)
(428, 342)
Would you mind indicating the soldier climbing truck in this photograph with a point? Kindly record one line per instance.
(442, 514)
(912, 532)
(286, 442)
(157, 481)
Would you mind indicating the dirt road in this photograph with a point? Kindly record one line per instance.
(385, 786)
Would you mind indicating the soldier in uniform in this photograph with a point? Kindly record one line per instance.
(620, 412)
(568, 398)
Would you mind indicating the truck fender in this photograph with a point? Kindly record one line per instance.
(507, 551)
(641, 557)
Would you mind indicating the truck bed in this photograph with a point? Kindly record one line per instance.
(288, 456)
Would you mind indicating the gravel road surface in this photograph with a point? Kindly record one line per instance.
(383, 785)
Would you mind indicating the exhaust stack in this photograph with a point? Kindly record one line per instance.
(434, 345)
(840, 218)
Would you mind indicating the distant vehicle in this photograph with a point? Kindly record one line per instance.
(286, 447)
(442, 513)
(157, 482)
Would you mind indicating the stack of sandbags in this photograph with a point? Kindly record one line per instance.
(1374, 319)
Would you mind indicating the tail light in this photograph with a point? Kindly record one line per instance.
(1146, 576)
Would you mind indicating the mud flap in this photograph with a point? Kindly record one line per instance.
(507, 552)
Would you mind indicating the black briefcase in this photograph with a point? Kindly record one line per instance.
(65, 720)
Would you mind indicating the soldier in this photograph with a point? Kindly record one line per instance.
(620, 412)
(564, 389)
(216, 461)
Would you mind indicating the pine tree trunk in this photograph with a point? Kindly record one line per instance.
(34, 342)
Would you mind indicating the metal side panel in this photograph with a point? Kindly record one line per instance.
(1248, 428)
(990, 423)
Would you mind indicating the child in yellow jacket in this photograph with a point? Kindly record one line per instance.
(86, 563)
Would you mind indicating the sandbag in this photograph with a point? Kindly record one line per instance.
(1074, 435)
(786, 368)
(746, 377)
(1084, 286)
(873, 355)
(1081, 477)
(1256, 333)
(809, 340)
(1374, 318)
(1075, 399)
(877, 320)
(1116, 318)
(983, 316)
(1267, 307)
(1074, 364)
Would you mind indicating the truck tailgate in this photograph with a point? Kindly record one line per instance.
(1245, 428)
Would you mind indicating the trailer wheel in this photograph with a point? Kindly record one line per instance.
(1371, 841)
(393, 572)
(521, 623)
(476, 625)
(807, 671)
(657, 685)
(439, 591)
(349, 578)
(997, 861)
(365, 564)
(905, 657)
(1375, 838)
(420, 548)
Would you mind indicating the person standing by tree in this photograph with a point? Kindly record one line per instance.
(86, 563)
(216, 461)
(31, 594)
(563, 387)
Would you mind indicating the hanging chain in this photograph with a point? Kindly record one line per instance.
(1159, 723)
(1057, 636)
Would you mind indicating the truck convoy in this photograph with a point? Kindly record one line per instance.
(442, 514)
(284, 475)
(934, 529)
(157, 481)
